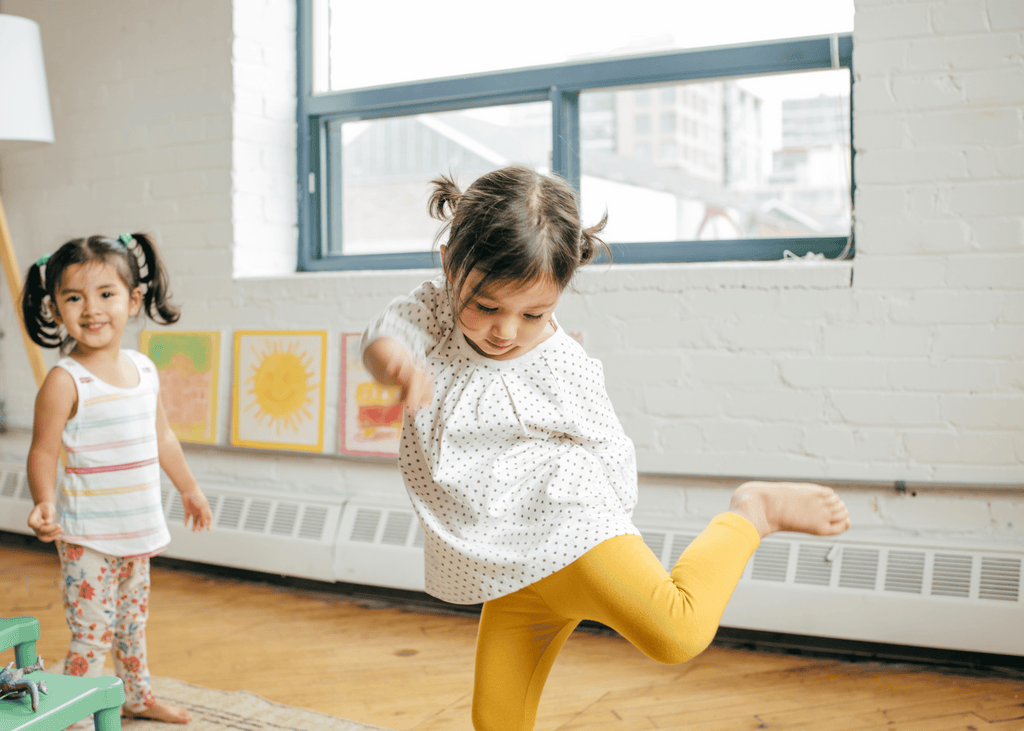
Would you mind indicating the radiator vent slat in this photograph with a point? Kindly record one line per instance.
(364, 527)
(313, 520)
(858, 568)
(812, 565)
(680, 543)
(256, 516)
(396, 529)
(655, 541)
(951, 575)
(905, 572)
(1000, 579)
(231, 513)
(285, 515)
(417, 542)
(176, 513)
(771, 562)
(10, 484)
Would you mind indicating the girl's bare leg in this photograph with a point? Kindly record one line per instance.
(160, 711)
(791, 506)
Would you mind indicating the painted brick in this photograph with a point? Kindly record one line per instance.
(892, 21)
(902, 236)
(873, 94)
(965, 376)
(982, 51)
(880, 132)
(886, 409)
(829, 442)
(992, 341)
(932, 91)
(957, 18)
(1005, 15)
(755, 334)
(911, 166)
(945, 306)
(900, 273)
(1005, 411)
(1004, 198)
(986, 163)
(776, 407)
(850, 373)
(676, 402)
(872, 56)
(986, 127)
(1003, 271)
(878, 445)
(719, 368)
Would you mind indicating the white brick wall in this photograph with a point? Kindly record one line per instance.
(177, 117)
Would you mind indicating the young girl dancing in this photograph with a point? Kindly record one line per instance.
(518, 468)
(103, 404)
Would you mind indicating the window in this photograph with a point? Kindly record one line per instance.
(752, 158)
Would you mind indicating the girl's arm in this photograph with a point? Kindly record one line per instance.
(390, 364)
(172, 461)
(55, 404)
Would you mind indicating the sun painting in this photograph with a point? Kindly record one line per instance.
(279, 389)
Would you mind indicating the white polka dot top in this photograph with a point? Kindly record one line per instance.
(518, 467)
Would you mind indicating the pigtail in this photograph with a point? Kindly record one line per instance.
(445, 194)
(591, 244)
(157, 298)
(39, 322)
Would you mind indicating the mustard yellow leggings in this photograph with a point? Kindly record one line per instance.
(670, 617)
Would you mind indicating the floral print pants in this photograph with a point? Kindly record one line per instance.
(106, 603)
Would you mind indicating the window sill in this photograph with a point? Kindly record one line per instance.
(784, 274)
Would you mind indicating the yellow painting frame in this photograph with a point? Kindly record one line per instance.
(188, 363)
(276, 373)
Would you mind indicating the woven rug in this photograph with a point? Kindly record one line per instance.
(218, 710)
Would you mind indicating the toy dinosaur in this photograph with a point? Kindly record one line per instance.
(13, 684)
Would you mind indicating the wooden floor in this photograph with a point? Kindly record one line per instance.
(406, 670)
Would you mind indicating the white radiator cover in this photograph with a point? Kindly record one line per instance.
(904, 592)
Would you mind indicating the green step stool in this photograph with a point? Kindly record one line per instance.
(69, 699)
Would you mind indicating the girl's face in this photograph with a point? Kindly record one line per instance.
(505, 320)
(93, 304)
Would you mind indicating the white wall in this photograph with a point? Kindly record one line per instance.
(177, 117)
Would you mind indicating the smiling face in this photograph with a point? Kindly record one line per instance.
(93, 304)
(507, 319)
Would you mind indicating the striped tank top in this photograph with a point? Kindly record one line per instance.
(110, 496)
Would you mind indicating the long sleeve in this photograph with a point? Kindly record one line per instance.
(419, 320)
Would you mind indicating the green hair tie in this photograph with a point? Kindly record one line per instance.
(126, 239)
(42, 260)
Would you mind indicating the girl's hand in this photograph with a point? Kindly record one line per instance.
(197, 508)
(417, 387)
(390, 363)
(41, 520)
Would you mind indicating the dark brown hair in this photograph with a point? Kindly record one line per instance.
(512, 225)
(42, 281)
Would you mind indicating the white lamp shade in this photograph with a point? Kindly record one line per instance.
(24, 97)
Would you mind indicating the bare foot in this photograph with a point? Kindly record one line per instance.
(802, 507)
(160, 711)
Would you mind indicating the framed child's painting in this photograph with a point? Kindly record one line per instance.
(278, 389)
(188, 362)
(371, 414)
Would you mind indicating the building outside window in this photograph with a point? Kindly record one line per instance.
(754, 160)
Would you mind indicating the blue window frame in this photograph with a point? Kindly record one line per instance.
(321, 117)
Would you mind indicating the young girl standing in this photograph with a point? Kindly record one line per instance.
(103, 405)
(518, 468)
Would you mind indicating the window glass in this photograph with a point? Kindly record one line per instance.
(378, 203)
(763, 157)
(361, 44)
